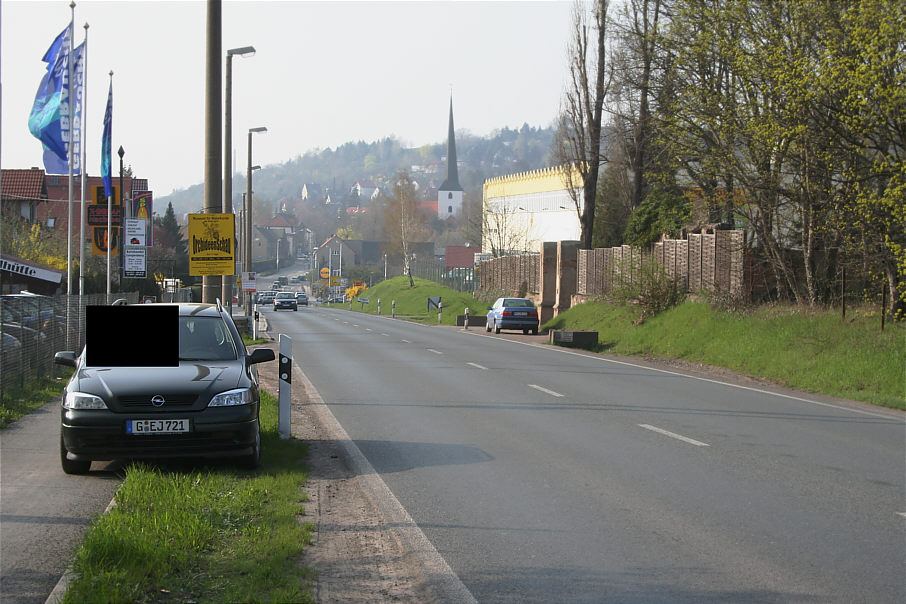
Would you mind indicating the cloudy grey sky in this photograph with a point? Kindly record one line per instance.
(325, 73)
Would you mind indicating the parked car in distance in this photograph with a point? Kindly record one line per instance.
(302, 298)
(285, 300)
(282, 281)
(204, 406)
(512, 313)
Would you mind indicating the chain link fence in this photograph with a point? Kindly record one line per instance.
(33, 328)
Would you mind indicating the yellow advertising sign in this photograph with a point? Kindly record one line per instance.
(211, 244)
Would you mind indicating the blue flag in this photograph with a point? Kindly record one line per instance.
(106, 141)
(52, 119)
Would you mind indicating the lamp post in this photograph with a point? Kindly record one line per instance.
(248, 214)
(245, 51)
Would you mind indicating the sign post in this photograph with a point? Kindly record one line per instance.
(286, 379)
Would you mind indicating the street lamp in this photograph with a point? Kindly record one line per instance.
(245, 51)
(248, 214)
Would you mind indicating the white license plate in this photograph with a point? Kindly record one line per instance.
(520, 314)
(157, 426)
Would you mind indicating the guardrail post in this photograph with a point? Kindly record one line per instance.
(393, 309)
(379, 306)
(440, 312)
(286, 378)
(255, 324)
(466, 320)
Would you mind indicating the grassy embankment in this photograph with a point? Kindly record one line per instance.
(202, 534)
(808, 349)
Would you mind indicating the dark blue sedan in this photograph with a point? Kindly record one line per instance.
(513, 313)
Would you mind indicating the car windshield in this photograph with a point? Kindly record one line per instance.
(205, 339)
(518, 303)
(285, 295)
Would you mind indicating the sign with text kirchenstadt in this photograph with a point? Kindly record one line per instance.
(135, 261)
(211, 244)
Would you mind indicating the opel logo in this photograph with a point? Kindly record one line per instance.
(157, 400)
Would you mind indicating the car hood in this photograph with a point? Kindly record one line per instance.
(191, 385)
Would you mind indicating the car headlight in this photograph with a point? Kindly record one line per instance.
(240, 396)
(81, 400)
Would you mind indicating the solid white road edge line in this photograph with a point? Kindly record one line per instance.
(438, 572)
(695, 377)
(544, 390)
(685, 439)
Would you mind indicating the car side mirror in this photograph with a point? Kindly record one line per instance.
(260, 355)
(65, 358)
(490, 308)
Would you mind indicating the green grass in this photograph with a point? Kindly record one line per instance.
(202, 534)
(412, 302)
(812, 350)
(17, 402)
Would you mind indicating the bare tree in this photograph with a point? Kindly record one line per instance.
(504, 232)
(403, 223)
(578, 138)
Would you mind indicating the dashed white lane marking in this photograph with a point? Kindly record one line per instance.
(405, 341)
(545, 390)
(434, 351)
(368, 329)
(685, 439)
(477, 366)
(386, 335)
(903, 514)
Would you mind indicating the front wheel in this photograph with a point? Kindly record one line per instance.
(496, 327)
(253, 460)
(72, 466)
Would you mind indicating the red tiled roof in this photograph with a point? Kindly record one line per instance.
(23, 184)
(278, 221)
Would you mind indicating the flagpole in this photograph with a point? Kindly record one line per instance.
(109, 211)
(69, 153)
(84, 209)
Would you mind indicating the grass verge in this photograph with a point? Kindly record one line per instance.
(33, 394)
(807, 349)
(412, 302)
(202, 534)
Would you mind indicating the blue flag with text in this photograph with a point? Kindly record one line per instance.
(54, 118)
(106, 141)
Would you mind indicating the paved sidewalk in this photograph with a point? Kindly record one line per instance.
(43, 512)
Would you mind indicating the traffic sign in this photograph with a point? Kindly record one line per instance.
(325, 272)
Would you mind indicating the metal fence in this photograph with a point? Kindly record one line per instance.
(33, 328)
(460, 279)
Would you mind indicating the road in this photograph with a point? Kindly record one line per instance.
(542, 475)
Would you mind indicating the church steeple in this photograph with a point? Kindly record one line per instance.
(451, 183)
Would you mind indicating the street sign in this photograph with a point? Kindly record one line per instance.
(136, 231)
(248, 281)
(135, 261)
(324, 272)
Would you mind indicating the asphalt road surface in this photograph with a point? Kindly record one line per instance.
(544, 475)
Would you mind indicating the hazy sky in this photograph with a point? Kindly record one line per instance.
(325, 73)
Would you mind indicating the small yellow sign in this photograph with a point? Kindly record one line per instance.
(325, 272)
(211, 244)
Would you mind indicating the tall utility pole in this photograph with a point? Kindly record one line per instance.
(210, 288)
(245, 51)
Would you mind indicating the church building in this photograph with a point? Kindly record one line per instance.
(449, 195)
